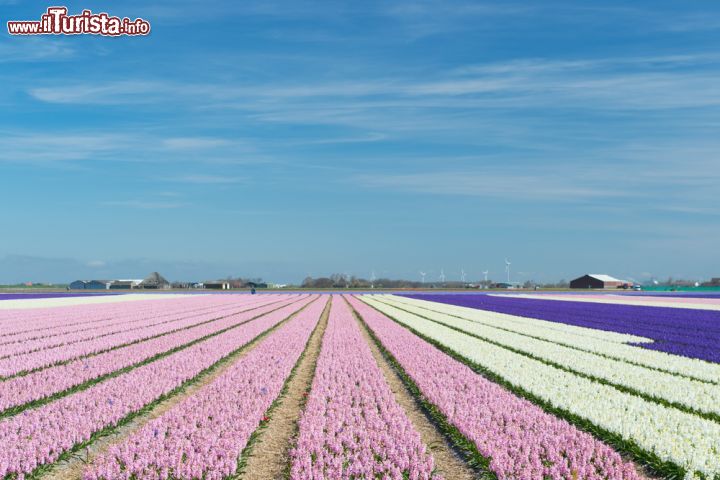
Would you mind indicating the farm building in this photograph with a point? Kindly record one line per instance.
(89, 285)
(96, 285)
(124, 284)
(594, 280)
(154, 281)
(217, 285)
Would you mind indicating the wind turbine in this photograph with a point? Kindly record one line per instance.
(442, 275)
(422, 274)
(507, 269)
(462, 275)
(372, 279)
(485, 272)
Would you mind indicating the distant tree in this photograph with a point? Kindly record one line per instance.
(338, 280)
(323, 282)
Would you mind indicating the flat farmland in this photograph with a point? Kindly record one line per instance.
(336, 386)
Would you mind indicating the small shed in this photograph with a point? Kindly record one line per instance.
(123, 284)
(89, 285)
(217, 285)
(78, 285)
(96, 285)
(597, 281)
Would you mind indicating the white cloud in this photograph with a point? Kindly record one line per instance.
(370, 137)
(650, 83)
(34, 49)
(184, 143)
(205, 179)
(144, 205)
(28, 147)
(99, 93)
(521, 184)
(70, 149)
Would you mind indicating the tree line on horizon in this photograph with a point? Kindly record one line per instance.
(338, 280)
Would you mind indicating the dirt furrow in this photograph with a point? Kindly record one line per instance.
(268, 458)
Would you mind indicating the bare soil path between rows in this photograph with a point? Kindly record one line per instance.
(269, 457)
(73, 468)
(447, 463)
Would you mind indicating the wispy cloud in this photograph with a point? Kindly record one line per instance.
(184, 143)
(188, 11)
(71, 149)
(618, 181)
(205, 179)
(31, 147)
(370, 137)
(520, 184)
(143, 204)
(109, 93)
(624, 83)
(692, 23)
(420, 19)
(30, 49)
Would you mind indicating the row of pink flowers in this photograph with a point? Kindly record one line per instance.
(203, 436)
(51, 356)
(39, 436)
(521, 439)
(138, 321)
(132, 313)
(13, 322)
(352, 426)
(20, 390)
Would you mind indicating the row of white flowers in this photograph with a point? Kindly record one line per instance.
(701, 396)
(647, 301)
(681, 438)
(65, 301)
(576, 337)
(547, 326)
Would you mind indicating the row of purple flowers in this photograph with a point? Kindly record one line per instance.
(688, 332)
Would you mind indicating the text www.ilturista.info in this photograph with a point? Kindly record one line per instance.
(57, 22)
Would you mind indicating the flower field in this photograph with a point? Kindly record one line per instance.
(681, 331)
(352, 426)
(191, 387)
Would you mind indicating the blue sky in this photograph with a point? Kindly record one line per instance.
(280, 139)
